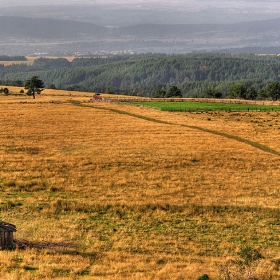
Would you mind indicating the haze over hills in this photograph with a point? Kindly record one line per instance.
(55, 27)
(123, 13)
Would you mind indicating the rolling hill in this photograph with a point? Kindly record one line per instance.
(54, 35)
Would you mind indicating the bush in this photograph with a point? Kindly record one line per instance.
(249, 255)
(174, 92)
(249, 266)
(52, 86)
(203, 277)
(5, 90)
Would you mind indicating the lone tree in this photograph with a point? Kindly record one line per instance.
(174, 92)
(34, 85)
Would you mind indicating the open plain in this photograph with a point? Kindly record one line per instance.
(125, 192)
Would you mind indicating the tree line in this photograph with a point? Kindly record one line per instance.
(239, 90)
(12, 58)
(195, 75)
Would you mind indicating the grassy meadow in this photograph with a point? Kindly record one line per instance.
(221, 105)
(136, 193)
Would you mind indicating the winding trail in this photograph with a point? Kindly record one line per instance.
(229, 136)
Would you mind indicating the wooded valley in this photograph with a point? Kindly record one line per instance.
(196, 74)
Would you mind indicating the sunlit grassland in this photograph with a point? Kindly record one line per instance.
(141, 193)
(48, 95)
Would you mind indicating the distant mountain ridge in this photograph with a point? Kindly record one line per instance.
(56, 35)
(47, 28)
(184, 29)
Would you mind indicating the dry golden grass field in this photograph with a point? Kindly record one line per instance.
(136, 193)
(30, 60)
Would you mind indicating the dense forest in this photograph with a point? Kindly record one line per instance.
(196, 74)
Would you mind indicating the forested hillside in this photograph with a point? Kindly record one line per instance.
(145, 74)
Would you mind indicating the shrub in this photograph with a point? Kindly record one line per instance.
(203, 277)
(5, 90)
(248, 266)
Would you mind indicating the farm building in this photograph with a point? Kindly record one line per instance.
(96, 98)
(6, 235)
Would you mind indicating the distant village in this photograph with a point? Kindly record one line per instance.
(88, 53)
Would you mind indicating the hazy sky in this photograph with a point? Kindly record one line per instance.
(143, 11)
(257, 6)
(171, 2)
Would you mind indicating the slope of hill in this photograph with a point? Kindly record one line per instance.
(138, 193)
(181, 30)
(45, 28)
(146, 73)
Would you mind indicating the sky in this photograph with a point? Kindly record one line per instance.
(173, 2)
(247, 6)
(170, 2)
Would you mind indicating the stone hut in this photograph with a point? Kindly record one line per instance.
(6, 235)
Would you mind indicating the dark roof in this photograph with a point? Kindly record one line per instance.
(8, 226)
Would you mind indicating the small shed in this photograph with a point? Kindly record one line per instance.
(96, 98)
(6, 235)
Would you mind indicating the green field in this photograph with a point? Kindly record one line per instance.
(206, 106)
